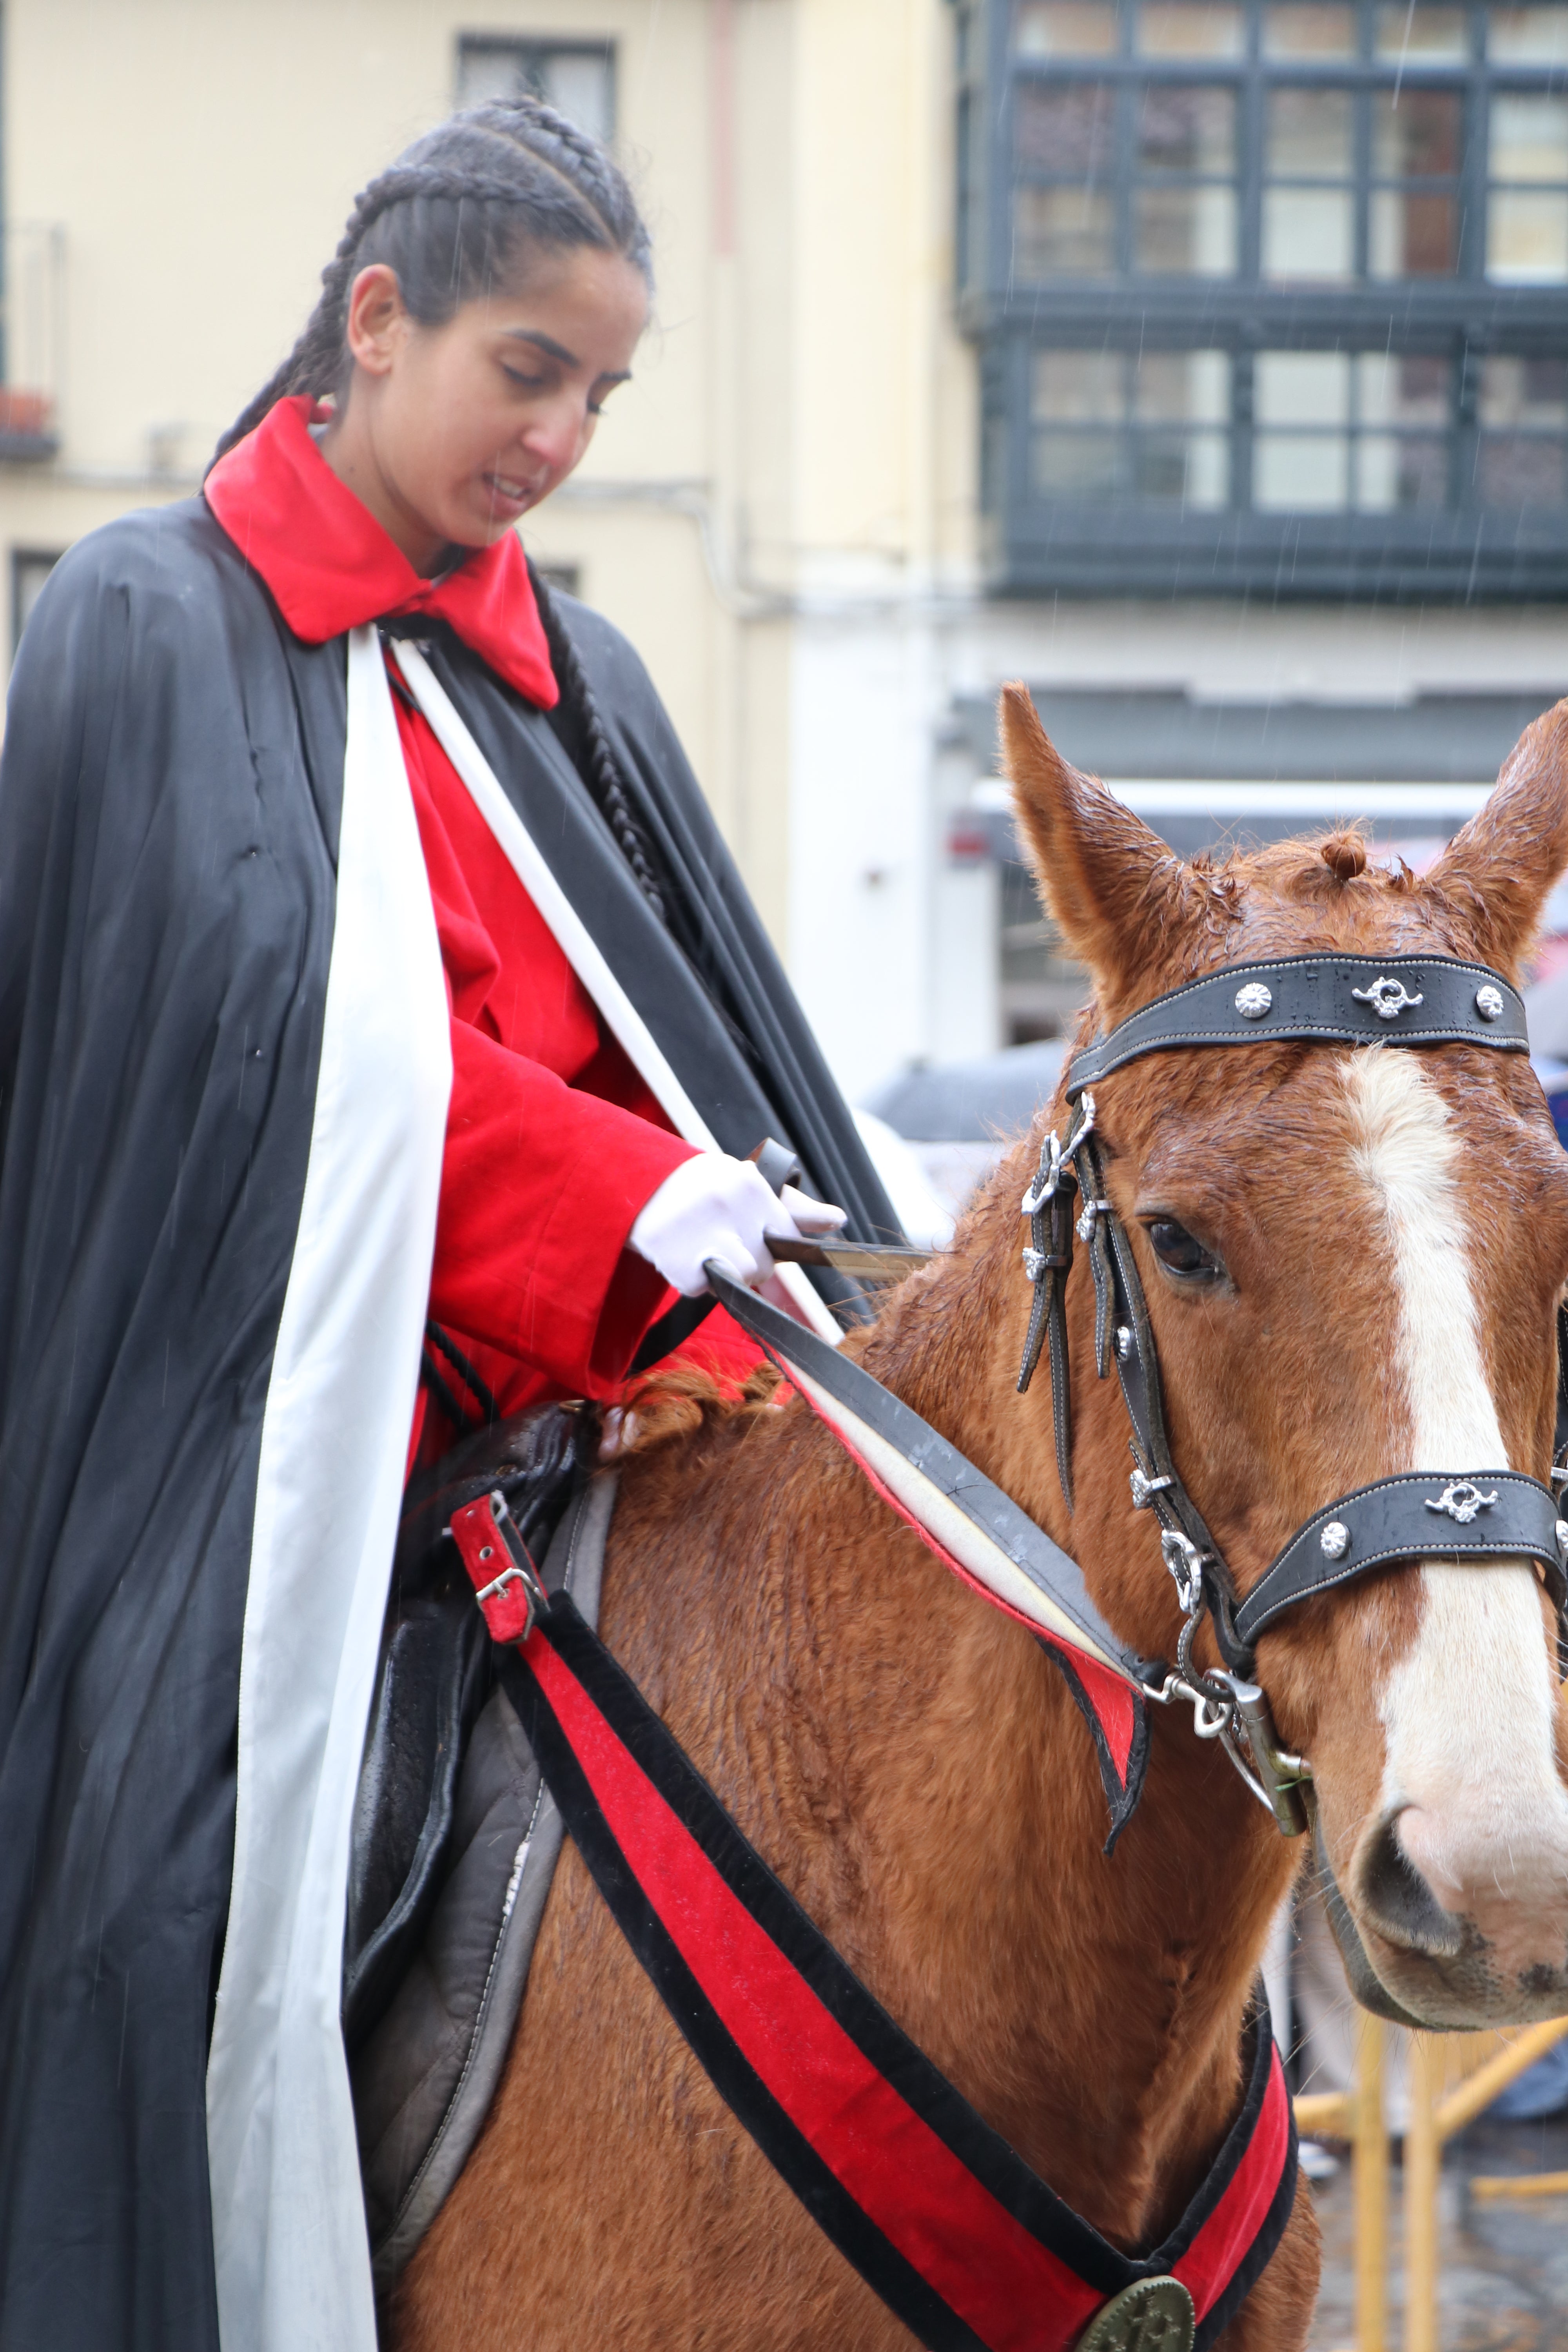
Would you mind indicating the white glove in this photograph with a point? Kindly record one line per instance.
(714, 1206)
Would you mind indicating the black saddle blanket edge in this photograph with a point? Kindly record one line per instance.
(425, 2079)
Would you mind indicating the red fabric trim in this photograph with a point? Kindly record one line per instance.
(1107, 1695)
(1216, 2255)
(553, 1143)
(331, 567)
(485, 1555)
(1012, 2291)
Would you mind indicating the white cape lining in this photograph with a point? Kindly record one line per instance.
(292, 2258)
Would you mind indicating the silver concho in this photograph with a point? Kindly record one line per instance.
(1489, 1003)
(1123, 1342)
(1462, 1500)
(1388, 998)
(1561, 1534)
(1153, 2315)
(1335, 1540)
(1254, 1001)
(1143, 1488)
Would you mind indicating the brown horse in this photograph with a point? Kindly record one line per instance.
(1384, 1239)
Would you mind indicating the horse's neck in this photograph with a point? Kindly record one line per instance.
(1116, 1984)
(916, 1769)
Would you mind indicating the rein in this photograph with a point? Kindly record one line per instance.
(974, 1529)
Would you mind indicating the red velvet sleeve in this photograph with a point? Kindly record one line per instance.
(540, 1184)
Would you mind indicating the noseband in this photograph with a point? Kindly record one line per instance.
(1462, 1514)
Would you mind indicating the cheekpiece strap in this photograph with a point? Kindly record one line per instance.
(1480, 1514)
(1324, 999)
(1047, 1261)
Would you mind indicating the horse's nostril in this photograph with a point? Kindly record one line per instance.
(1398, 1902)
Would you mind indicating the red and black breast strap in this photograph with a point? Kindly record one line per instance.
(966, 2244)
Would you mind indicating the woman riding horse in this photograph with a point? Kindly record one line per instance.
(316, 808)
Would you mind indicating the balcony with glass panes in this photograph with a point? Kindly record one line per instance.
(1271, 297)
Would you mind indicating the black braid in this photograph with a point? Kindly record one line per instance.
(603, 776)
(446, 215)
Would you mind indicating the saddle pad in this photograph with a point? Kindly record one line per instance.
(423, 2080)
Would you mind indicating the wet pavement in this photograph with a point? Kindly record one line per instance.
(1503, 2286)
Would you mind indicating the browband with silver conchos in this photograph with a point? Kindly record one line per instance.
(1486, 1515)
(1321, 1000)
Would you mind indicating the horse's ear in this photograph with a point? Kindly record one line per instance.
(1114, 889)
(1498, 871)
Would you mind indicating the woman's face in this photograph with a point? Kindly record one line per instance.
(449, 432)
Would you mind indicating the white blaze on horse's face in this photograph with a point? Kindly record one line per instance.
(1472, 1802)
(1424, 1697)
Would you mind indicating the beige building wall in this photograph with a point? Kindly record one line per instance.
(780, 510)
(801, 419)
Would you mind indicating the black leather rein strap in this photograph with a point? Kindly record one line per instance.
(1484, 1515)
(976, 1528)
(1320, 1000)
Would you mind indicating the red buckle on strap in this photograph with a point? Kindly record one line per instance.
(505, 1581)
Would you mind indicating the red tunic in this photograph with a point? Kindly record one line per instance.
(553, 1143)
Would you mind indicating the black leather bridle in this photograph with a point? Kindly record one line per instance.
(1457, 1514)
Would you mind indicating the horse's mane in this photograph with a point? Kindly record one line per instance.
(680, 1405)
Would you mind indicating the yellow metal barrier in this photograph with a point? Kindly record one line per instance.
(1356, 2114)
(1445, 2096)
(1453, 2077)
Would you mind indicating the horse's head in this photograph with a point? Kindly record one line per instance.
(1352, 1258)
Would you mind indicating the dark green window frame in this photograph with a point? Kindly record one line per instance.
(1450, 441)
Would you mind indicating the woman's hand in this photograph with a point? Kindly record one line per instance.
(714, 1206)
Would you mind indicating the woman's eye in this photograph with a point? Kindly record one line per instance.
(1181, 1250)
(525, 382)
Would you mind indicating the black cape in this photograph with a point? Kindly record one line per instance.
(170, 801)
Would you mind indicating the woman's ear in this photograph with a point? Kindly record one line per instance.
(1115, 891)
(376, 323)
(1498, 871)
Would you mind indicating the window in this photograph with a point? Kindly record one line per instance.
(1334, 431)
(29, 570)
(1270, 295)
(1527, 190)
(1524, 434)
(576, 77)
(32, 309)
(1133, 426)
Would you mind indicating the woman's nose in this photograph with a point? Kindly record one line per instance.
(556, 437)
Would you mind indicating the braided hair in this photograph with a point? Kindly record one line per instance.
(450, 217)
(601, 772)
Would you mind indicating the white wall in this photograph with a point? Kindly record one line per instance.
(895, 951)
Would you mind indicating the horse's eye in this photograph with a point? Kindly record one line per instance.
(1181, 1250)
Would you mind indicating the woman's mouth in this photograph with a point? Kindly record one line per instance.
(506, 490)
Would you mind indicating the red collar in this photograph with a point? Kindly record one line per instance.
(331, 567)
